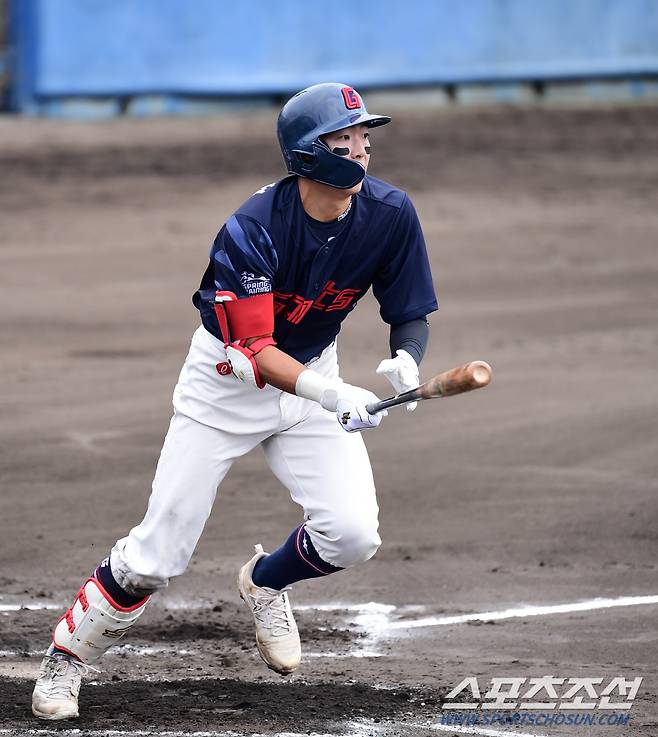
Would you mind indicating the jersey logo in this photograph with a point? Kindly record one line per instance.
(294, 307)
(224, 368)
(352, 101)
(255, 284)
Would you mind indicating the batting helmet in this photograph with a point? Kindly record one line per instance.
(311, 114)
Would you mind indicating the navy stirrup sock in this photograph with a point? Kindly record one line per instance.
(103, 574)
(295, 560)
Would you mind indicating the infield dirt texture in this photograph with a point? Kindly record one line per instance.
(542, 489)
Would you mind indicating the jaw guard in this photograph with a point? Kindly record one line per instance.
(326, 167)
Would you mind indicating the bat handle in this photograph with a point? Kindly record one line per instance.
(413, 395)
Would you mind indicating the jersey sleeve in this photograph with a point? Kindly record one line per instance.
(243, 261)
(403, 283)
(244, 258)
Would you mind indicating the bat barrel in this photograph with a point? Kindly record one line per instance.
(473, 375)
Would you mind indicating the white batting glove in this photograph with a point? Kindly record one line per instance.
(349, 403)
(402, 372)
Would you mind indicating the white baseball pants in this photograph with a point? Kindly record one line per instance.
(216, 420)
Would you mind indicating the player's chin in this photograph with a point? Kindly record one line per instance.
(355, 189)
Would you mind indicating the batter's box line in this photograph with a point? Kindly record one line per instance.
(383, 617)
(478, 731)
(169, 733)
(522, 612)
(393, 727)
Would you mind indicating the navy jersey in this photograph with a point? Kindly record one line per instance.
(269, 245)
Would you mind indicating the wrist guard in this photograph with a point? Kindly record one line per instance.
(243, 362)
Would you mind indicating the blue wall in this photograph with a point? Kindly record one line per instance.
(209, 47)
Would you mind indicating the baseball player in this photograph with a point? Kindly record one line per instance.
(284, 272)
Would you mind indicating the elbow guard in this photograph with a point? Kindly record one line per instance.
(239, 320)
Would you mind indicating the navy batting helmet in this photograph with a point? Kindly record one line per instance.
(311, 114)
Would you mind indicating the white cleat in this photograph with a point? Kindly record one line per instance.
(277, 636)
(55, 694)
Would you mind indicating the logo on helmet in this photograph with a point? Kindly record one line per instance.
(352, 101)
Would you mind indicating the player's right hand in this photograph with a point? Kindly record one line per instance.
(349, 403)
(402, 372)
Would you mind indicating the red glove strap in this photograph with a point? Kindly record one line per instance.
(260, 343)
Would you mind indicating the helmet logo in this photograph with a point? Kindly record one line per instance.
(352, 101)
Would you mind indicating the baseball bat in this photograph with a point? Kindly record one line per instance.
(473, 375)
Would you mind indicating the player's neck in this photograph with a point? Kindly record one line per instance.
(322, 202)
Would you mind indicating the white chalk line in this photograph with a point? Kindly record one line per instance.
(117, 650)
(380, 621)
(374, 616)
(184, 733)
(480, 731)
(376, 609)
(377, 620)
(32, 605)
(348, 654)
(169, 733)
(150, 650)
(370, 607)
(383, 728)
(144, 651)
(526, 611)
(380, 611)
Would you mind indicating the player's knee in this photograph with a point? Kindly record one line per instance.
(357, 541)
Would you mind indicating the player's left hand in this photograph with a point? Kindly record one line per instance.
(349, 403)
(402, 372)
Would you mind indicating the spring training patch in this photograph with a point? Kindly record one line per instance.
(255, 284)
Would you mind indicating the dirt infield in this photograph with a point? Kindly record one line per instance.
(541, 490)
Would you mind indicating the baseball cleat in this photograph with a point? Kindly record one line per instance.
(56, 691)
(277, 637)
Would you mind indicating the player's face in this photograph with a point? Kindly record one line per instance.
(352, 142)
